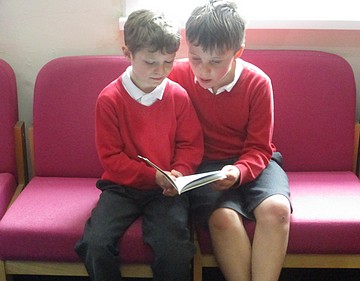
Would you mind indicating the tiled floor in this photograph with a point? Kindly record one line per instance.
(215, 275)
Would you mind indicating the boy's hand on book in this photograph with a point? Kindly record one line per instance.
(176, 174)
(168, 189)
(232, 176)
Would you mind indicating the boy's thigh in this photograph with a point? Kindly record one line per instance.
(203, 200)
(244, 199)
(166, 222)
(166, 229)
(113, 214)
(164, 212)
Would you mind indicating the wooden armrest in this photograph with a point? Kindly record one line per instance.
(21, 159)
(20, 147)
(31, 148)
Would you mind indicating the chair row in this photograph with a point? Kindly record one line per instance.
(315, 130)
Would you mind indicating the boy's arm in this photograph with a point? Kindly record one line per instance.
(258, 147)
(189, 147)
(118, 166)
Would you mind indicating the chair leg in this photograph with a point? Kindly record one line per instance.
(2, 272)
(197, 264)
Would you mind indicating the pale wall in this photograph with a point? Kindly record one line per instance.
(32, 32)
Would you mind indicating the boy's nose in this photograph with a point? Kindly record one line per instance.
(160, 69)
(204, 69)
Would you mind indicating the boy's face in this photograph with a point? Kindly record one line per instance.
(149, 69)
(212, 69)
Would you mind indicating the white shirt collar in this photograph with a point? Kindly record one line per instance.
(137, 94)
(238, 69)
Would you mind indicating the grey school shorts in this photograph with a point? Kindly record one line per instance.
(244, 199)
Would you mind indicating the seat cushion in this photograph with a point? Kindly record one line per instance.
(7, 189)
(326, 216)
(48, 218)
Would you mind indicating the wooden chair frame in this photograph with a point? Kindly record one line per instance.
(21, 158)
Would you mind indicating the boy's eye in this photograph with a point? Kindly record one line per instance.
(215, 62)
(149, 62)
(194, 57)
(195, 60)
(169, 62)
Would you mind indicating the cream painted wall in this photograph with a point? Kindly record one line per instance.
(32, 32)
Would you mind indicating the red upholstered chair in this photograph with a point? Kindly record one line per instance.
(38, 233)
(12, 177)
(315, 99)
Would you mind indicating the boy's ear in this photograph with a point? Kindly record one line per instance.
(239, 52)
(126, 52)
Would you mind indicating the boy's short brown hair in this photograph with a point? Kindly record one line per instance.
(216, 25)
(145, 29)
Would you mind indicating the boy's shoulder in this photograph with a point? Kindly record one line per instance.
(175, 88)
(182, 60)
(111, 91)
(181, 64)
(181, 70)
(253, 70)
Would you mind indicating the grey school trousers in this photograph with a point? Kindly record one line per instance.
(165, 229)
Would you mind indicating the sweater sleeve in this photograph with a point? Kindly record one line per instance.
(189, 145)
(258, 147)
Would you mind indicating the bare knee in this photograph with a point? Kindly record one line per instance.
(223, 219)
(274, 210)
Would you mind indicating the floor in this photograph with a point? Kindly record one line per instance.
(215, 275)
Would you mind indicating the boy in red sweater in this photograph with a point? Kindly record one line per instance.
(143, 113)
(234, 102)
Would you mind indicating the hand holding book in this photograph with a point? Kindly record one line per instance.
(164, 183)
(186, 183)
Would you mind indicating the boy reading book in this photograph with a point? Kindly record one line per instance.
(234, 101)
(142, 112)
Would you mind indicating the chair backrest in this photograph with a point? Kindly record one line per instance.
(65, 93)
(8, 118)
(314, 94)
(315, 108)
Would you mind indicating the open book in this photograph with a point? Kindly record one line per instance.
(186, 183)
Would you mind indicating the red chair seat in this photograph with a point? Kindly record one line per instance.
(326, 217)
(48, 218)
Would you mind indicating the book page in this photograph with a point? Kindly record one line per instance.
(186, 183)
